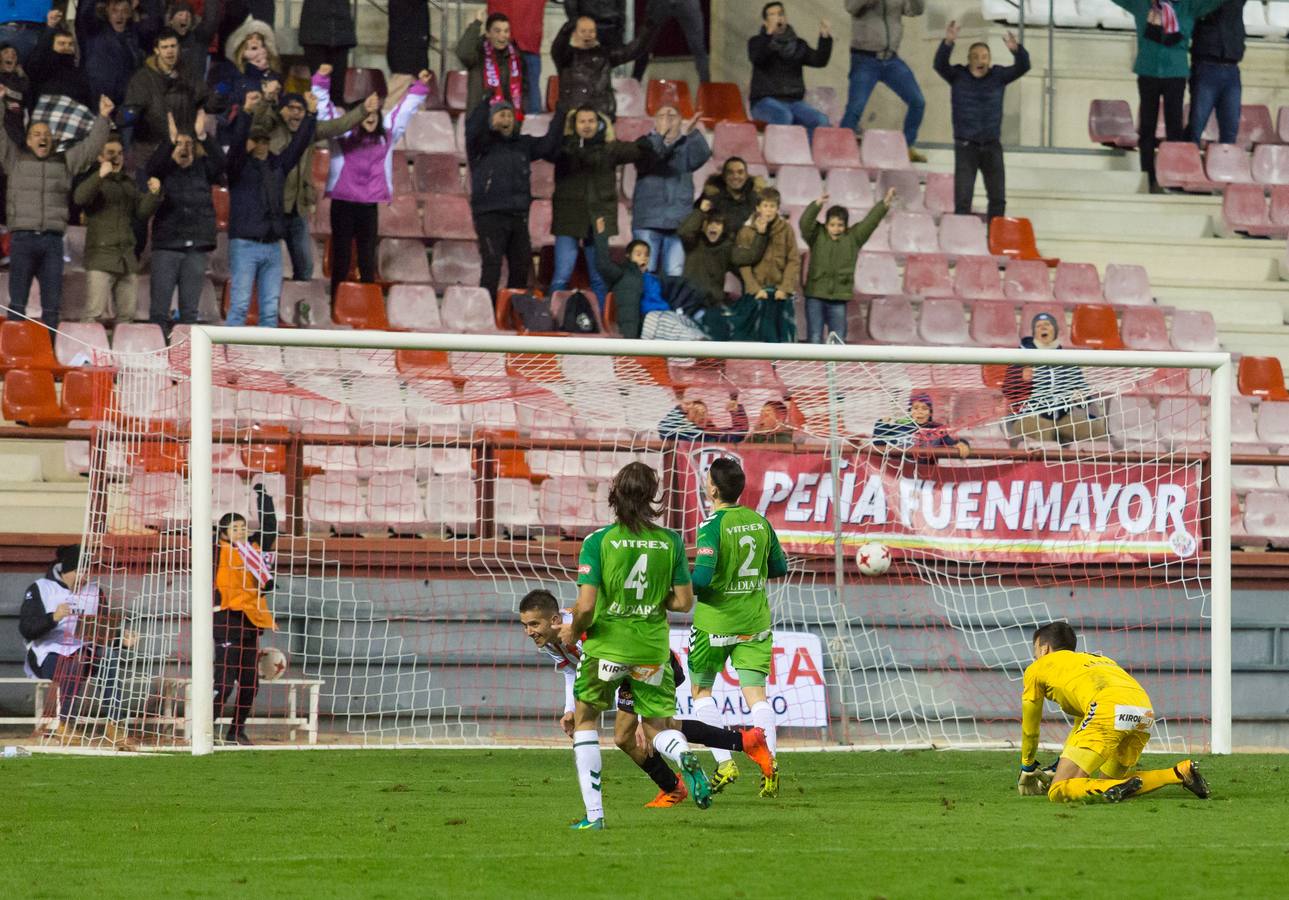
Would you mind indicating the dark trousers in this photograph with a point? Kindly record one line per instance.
(338, 58)
(184, 269)
(36, 255)
(503, 235)
(985, 157)
(237, 645)
(352, 222)
(1215, 85)
(1151, 91)
(66, 672)
(689, 16)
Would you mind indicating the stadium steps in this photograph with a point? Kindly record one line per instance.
(46, 507)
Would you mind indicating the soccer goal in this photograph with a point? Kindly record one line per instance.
(420, 484)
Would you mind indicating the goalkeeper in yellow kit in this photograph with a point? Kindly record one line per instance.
(1114, 721)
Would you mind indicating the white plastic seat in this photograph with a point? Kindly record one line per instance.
(451, 501)
(394, 502)
(335, 500)
(515, 506)
(468, 310)
(403, 260)
(82, 344)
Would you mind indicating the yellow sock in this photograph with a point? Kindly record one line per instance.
(1077, 788)
(1157, 778)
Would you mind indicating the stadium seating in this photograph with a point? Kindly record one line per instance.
(1014, 238)
(849, 188)
(1027, 281)
(1077, 283)
(1244, 211)
(448, 216)
(877, 274)
(25, 345)
(413, 307)
(944, 321)
(1178, 165)
(1255, 125)
(719, 101)
(1193, 330)
(401, 217)
(736, 139)
(1227, 164)
(938, 199)
(468, 310)
(358, 305)
(403, 260)
(963, 236)
(630, 96)
(927, 276)
(913, 233)
(87, 394)
(435, 173)
(1127, 285)
(432, 131)
(219, 197)
(542, 182)
(81, 343)
(1144, 328)
(891, 320)
(977, 278)
(630, 128)
(799, 185)
(316, 294)
(31, 398)
(360, 83)
(1261, 376)
(884, 150)
(787, 145)
(993, 323)
(1110, 122)
(666, 92)
(1270, 164)
(455, 90)
(908, 189)
(834, 148)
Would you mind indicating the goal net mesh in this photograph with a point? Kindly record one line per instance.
(418, 495)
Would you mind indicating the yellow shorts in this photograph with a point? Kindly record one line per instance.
(1112, 735)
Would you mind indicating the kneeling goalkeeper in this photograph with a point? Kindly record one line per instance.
(1115, 718)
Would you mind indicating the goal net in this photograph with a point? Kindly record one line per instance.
(419, 485)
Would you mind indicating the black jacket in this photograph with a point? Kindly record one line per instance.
(256, 186)
(327, 23)
(1219, 36)
(610, 18)
(977, 103)
(186, 218)
(57, 73)
(777, 61)
(500, 167)
(152, 94)
(408, 47)
(193, 46)
(585, 76)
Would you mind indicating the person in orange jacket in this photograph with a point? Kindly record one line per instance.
(243, 579)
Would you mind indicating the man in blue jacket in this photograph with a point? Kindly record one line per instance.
(257, 220)
(976, 96)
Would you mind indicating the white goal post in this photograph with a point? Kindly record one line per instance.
(202, 443)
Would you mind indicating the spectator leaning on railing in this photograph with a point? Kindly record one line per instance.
(976, 99)
(40, 183)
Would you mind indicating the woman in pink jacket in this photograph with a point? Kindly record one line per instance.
(361, 175)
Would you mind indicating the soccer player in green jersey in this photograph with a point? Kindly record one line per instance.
(737, 552)
(629, 574)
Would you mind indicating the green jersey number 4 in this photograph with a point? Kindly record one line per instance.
(638, 577)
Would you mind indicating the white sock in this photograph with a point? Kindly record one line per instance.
(763, 718)
(707, 712)
(671, 743)
(586, 752)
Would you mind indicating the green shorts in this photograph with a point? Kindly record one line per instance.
(652, 688)
(750, 655)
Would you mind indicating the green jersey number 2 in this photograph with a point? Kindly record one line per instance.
(747, 570)
(638, 578)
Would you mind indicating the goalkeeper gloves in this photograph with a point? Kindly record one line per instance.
(1033, 781)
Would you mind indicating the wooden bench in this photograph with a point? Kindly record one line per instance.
(175, 691)
(37, 720)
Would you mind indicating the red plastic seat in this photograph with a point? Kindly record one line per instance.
(666, 92)
(1178, 165)
(787, 145)
(1282, 124)
(540, 218)
(1270, 164)
(1193, 330)
(429, 364)
(219, 197)
(359, 305)
(400, 172)
(834, 148)
(437, 173)
(1145, 328)
(1255, 126)
(736, 139)
(1110, 122)
(720, 101)
(1227, 164)
(1244, 210)
(448, 216)
(908, 188)
(993, 323)
(877, 274)
(87, 394)
(914, 233)
(30, 398)
(542, 178)
(456, 87)
(964, 236)
(927, 276)
(944, 321)
(891, 320)
(1077, 283)
(1127, 285)
(1014, 237)
(938, 198)
(26, 345)
(1280, 205)
(1027, 281)
(849, 188)
(1262, 376)
(1095, 327)
(351, 275)
(798, 185)
(630, 128)
(976, 278)
(884, 150)
(402, 260)
(552, 93)
(320, 166)
(360, 83)
(431, 131)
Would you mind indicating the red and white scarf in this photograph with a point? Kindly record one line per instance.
(492, 77)
(256, 562)
(1167, 16)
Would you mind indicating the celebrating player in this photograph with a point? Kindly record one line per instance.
(738, 552)
(1115, 718)
(541, 616)
(629, 574)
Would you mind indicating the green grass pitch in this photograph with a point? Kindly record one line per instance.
(494, 824)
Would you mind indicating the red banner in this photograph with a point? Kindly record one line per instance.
(981, 510)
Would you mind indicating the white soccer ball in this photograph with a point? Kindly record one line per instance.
(873, 559)
(271, 663)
